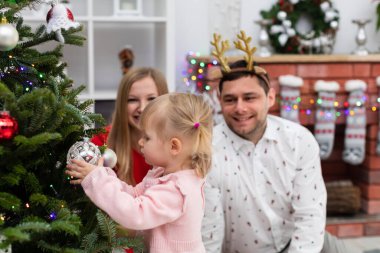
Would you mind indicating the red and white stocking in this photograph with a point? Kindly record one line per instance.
(378, 133)
(324, 130)
(354, 141)
(290, 96)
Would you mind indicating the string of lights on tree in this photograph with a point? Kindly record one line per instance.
(22, 73)
(195, 74)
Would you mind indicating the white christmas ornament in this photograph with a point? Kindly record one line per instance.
(8, 36)
(84, 150)
(291, 32)
(277, 29)
(283, 38)
(59, 17)
(110, 158)
(281, 15)
(330, 15)
(287, 23)
(325, 6)
(334, 24)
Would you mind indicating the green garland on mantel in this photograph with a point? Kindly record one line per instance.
(284, 16)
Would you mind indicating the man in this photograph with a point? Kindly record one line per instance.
(265, 192)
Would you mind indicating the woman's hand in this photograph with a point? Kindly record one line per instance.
(78, 169)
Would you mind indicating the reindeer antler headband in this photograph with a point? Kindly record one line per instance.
(242, 43)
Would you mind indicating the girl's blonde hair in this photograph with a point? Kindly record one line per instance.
(188, 115)
(120, 136)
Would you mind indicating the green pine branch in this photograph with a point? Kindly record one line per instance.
(104, 237)
(13, 177)
(9, 202)
(48, 247)
(106, 225)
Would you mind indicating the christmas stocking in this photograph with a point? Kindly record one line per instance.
(354, 142)
(378, 133)
(290, 96)
(324, 130)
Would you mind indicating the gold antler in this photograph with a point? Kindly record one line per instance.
(219, 51)
(242, 37)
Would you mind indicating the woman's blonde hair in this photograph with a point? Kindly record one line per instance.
(120, 136)
(188, 115)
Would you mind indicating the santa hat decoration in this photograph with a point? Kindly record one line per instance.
(59, 17)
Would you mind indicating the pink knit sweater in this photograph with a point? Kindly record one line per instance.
(169, 208)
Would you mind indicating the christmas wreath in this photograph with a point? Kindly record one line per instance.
(285, 15)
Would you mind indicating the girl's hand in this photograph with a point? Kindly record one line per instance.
(80, 169)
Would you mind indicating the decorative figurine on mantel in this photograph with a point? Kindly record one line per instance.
(361, 36)
(264, 41)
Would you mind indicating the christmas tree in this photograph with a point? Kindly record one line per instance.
(41, 117)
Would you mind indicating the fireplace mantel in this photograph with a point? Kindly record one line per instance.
(291, 58)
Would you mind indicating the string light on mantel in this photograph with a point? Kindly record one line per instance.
(339, 111)
(196, 70)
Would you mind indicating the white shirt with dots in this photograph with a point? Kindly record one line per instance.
(258, 197)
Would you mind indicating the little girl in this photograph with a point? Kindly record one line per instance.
(168, 204)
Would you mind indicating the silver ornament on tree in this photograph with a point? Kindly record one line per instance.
(110, 158)
(84, 150)
(8, 35)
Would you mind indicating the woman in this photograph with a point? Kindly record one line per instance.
(137, 88)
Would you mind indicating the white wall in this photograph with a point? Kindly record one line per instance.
(191, 32)
(192, 27)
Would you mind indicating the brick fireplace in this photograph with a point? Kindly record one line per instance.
(339, 68)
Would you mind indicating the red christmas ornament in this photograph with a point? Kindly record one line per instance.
(8, 126)
(128, 250)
